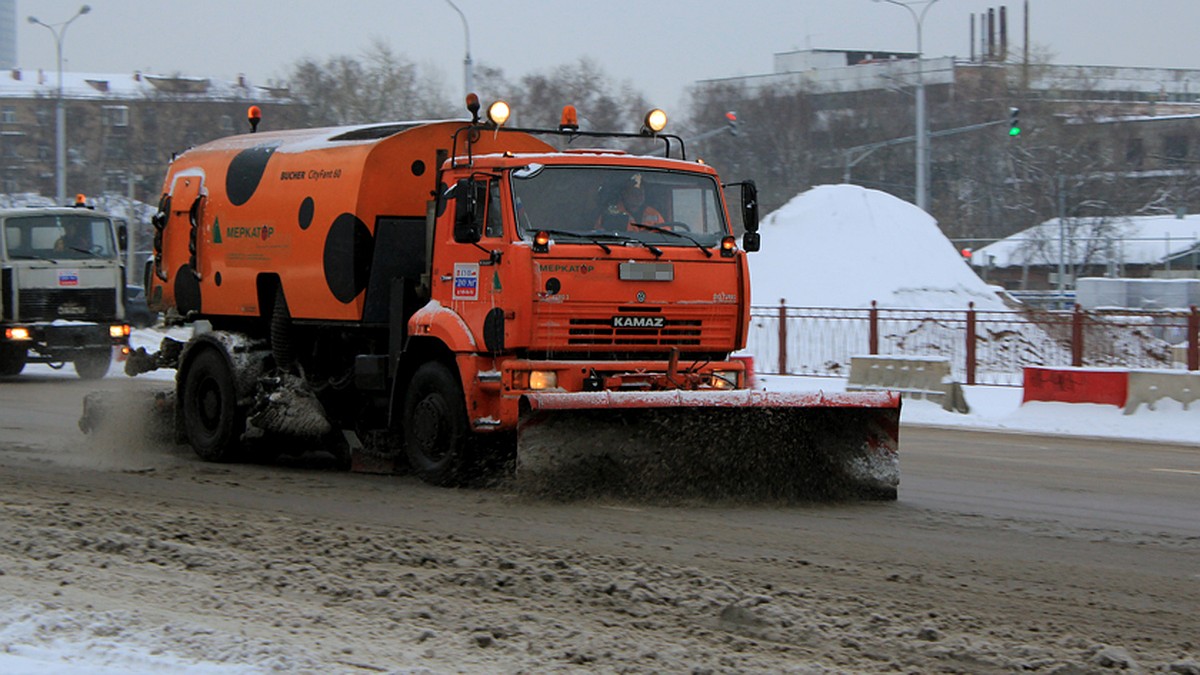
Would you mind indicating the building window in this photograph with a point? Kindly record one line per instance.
(1135, 152)
(1175, 148)
(115, 148)
(116, 115)
(8, 115)
(114, 181)
(227, 124)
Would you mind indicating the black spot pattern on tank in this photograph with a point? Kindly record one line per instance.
(307, 207)
(187, 290)
(349, 248)
(246, 172)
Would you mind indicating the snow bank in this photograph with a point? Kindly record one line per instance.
(844, 246)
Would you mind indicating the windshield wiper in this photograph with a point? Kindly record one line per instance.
(581, 235)
(25, 256)
(595, 238)
(656, 228)
(626, 238)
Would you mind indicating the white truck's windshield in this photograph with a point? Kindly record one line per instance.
(619, 201)
(58, 236)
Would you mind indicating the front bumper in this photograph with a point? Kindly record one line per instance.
(62, 341)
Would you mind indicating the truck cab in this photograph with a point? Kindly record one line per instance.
(61, 289)
(585, 271)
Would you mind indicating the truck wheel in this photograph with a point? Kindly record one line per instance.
(93, 364)
(12, 359)
(211, 417)
(435, 426)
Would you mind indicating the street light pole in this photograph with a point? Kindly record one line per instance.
(922, 124)
(59, 31)
(468, 67)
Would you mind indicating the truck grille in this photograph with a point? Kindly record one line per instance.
(48, 305)
(696, 327)
(600, 333)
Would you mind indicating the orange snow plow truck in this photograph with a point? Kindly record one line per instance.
(464, 297)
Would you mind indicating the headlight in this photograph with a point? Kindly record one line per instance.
(118, 331)
(498, 113)
(724, 379)
(655, 121)
(543, 379)
(17, 333)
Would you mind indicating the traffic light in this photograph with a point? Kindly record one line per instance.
(1014, 121)
(732, 120)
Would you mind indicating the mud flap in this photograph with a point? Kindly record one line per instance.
(738, 445)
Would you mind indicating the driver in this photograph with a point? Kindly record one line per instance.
(632, 203)
(74, 238)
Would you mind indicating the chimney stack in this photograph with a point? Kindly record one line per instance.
(1003, 33)
(991, 34)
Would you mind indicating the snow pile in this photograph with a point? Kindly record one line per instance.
(844, 246)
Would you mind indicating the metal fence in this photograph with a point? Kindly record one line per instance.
(983, 346)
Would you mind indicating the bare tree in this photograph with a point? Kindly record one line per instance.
(602, 103)
(381, 85)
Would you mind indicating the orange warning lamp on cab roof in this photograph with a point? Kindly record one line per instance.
(254, 115)
(473, 107)
(569, 120)
(80, 199)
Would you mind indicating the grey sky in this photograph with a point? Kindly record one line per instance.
(660, 46)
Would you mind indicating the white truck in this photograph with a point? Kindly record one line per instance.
(61, 289)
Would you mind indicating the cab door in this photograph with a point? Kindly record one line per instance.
(469, 273)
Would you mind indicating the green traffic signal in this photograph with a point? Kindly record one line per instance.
(1014, 121)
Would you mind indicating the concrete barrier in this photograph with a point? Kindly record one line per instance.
(1150, 386)
(910, 376)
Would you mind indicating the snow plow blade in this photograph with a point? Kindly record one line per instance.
(738, 445)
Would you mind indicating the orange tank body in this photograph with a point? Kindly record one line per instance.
(299, 204)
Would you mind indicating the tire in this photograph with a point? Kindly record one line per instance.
(12, 359)
(93, 364)
(211, 418)
(436, 437)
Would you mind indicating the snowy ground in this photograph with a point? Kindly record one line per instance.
(913, 266)
(34, 641)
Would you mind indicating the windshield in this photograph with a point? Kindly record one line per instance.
(55, 236)
(614, 201)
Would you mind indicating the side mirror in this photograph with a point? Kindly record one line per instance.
(751, 242)
(749, 209)
(122, 237)
(466, 224)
